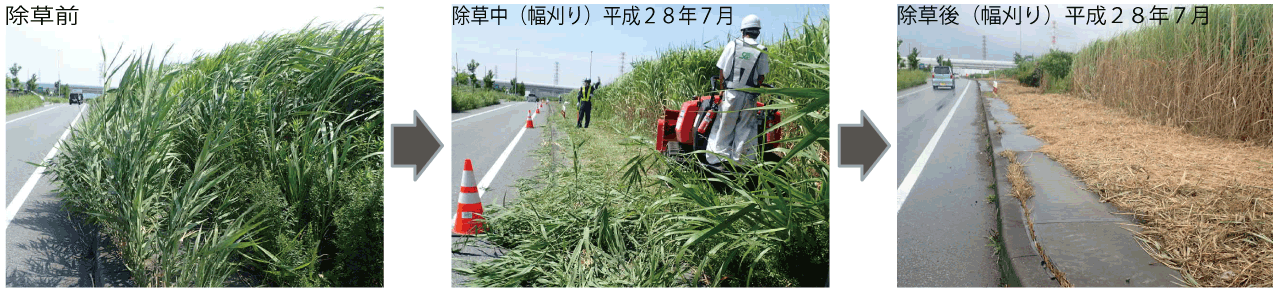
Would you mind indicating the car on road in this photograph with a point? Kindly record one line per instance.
(531, 98)
(943, 76)
(76, 98)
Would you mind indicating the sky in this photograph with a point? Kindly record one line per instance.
(187, 29)
(533, 50)
(963, 41)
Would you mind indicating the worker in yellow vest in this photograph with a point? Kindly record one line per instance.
(585, 104)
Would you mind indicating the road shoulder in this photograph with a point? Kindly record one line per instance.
(1061, 232)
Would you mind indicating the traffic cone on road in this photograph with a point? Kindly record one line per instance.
(470, 205)
(530, 123)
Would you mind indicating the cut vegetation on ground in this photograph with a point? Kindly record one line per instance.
(1023, 190)
(257, 165)
(1203, 201)
(616, 213)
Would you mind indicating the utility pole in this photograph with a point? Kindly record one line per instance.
(556, 72)
(589, 64)
(621, 55)
(515, 54)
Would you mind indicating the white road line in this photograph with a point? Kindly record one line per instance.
(488, 111)
(904, 190)
(32, 114)
(499, 163)
(12, 209)
(909, 94)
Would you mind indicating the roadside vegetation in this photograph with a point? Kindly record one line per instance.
(57, 99)
(469, 92)
(907, 78)
(260, 164)
(15, 104)
(1193, 105)
(26, 98)
(1176, 75)
(1213, 79)
(608, 210)
(1199, 200)
(1174, 124)
(465, 97)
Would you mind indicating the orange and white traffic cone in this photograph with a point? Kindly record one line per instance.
(530, 123)
(470, 204)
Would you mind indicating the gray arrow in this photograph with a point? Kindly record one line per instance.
(414, 145)
(861, 145)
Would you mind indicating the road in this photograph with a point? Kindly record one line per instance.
(45, 246)
(483, 135)
(943, 218)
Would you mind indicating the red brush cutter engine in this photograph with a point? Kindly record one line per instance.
(686, 130)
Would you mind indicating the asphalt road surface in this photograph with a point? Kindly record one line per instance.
(943, 218)
(483, 135)
(45, 246)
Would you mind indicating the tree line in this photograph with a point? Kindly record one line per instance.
(487, 82)
(11, 82)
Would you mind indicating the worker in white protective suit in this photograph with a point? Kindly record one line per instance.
(743, 64)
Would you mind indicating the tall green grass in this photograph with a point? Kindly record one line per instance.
(466, 98)
(256, 165)
(633, 102)
(613, 212)
(907, 78)
(21, 103)
(1211, 79)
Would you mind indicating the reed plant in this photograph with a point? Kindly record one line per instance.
(611, 211)
(259, 164)
(1211, 79)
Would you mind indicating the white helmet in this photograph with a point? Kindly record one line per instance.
(751, 21)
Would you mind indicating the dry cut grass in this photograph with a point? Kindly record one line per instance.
(1203, 202)
(1023, 190)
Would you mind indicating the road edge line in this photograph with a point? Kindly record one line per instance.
(904, 190)
(484, 112)
(912, 93)
(23, 193)
(32, 114)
